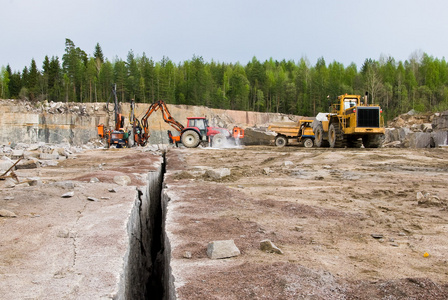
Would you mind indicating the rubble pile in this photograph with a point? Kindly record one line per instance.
(31, 156)
(82, 109)
(22, 156)
(413, 130)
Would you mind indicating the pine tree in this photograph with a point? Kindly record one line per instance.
(15, 83)
(55, 82)
(74, 63)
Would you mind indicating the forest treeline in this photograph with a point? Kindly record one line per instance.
(420, 83)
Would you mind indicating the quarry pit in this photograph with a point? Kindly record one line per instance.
(83, 222)
(350, 223)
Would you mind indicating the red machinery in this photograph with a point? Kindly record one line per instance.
(197, 130)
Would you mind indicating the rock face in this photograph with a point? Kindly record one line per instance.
(417, 130)
(222, 249)
(76, 123)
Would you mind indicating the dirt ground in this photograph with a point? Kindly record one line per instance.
(69, 248)
(352, 223)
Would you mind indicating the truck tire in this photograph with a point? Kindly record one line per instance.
(219, 140)
(308, 143)
(319, 136)
(190, 139)
(281, 141)
(334, 136)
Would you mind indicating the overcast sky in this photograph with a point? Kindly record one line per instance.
(228, 31)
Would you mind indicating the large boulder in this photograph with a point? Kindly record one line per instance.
(420, 140)
(222, 249)
(403, 133)
(440, 138)
(440, 121)
(391, 135)
(258, 136)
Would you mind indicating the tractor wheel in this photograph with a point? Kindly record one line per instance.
(308, 143)
(281, 141)
(219, 140)
(190, 139)
(319, 136)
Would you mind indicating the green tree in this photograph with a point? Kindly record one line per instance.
(319, 86)
(55, 80)
(44, 77)
(402, 102)
(147, 73)
(92, 79)
(23, 94)
(256, 74)
(33, 81)
(4, 83)
(133, 77)
(120, 75)
(351, 80)
(336, 72)
(239, 91)
(372, 79)
(303, 86)
(98, 56)
(74, 63)
(105, 81)
(411, 82)
(166, 80)
(15, 83)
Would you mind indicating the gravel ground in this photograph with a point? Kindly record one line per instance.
(352, 223)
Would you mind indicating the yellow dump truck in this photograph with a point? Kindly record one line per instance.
(300, 132)
(352, 122)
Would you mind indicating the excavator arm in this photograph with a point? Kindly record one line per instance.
(158, 105)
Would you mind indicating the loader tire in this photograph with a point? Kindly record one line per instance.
(335, 136)
(319, 136)
(281, 141)
(190, 139)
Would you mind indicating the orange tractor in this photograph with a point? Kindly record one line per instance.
(196, 132)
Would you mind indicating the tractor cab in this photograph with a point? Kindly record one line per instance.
(200, 124)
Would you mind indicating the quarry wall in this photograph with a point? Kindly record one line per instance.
(76, 123)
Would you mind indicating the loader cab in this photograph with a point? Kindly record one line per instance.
(348, 103)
